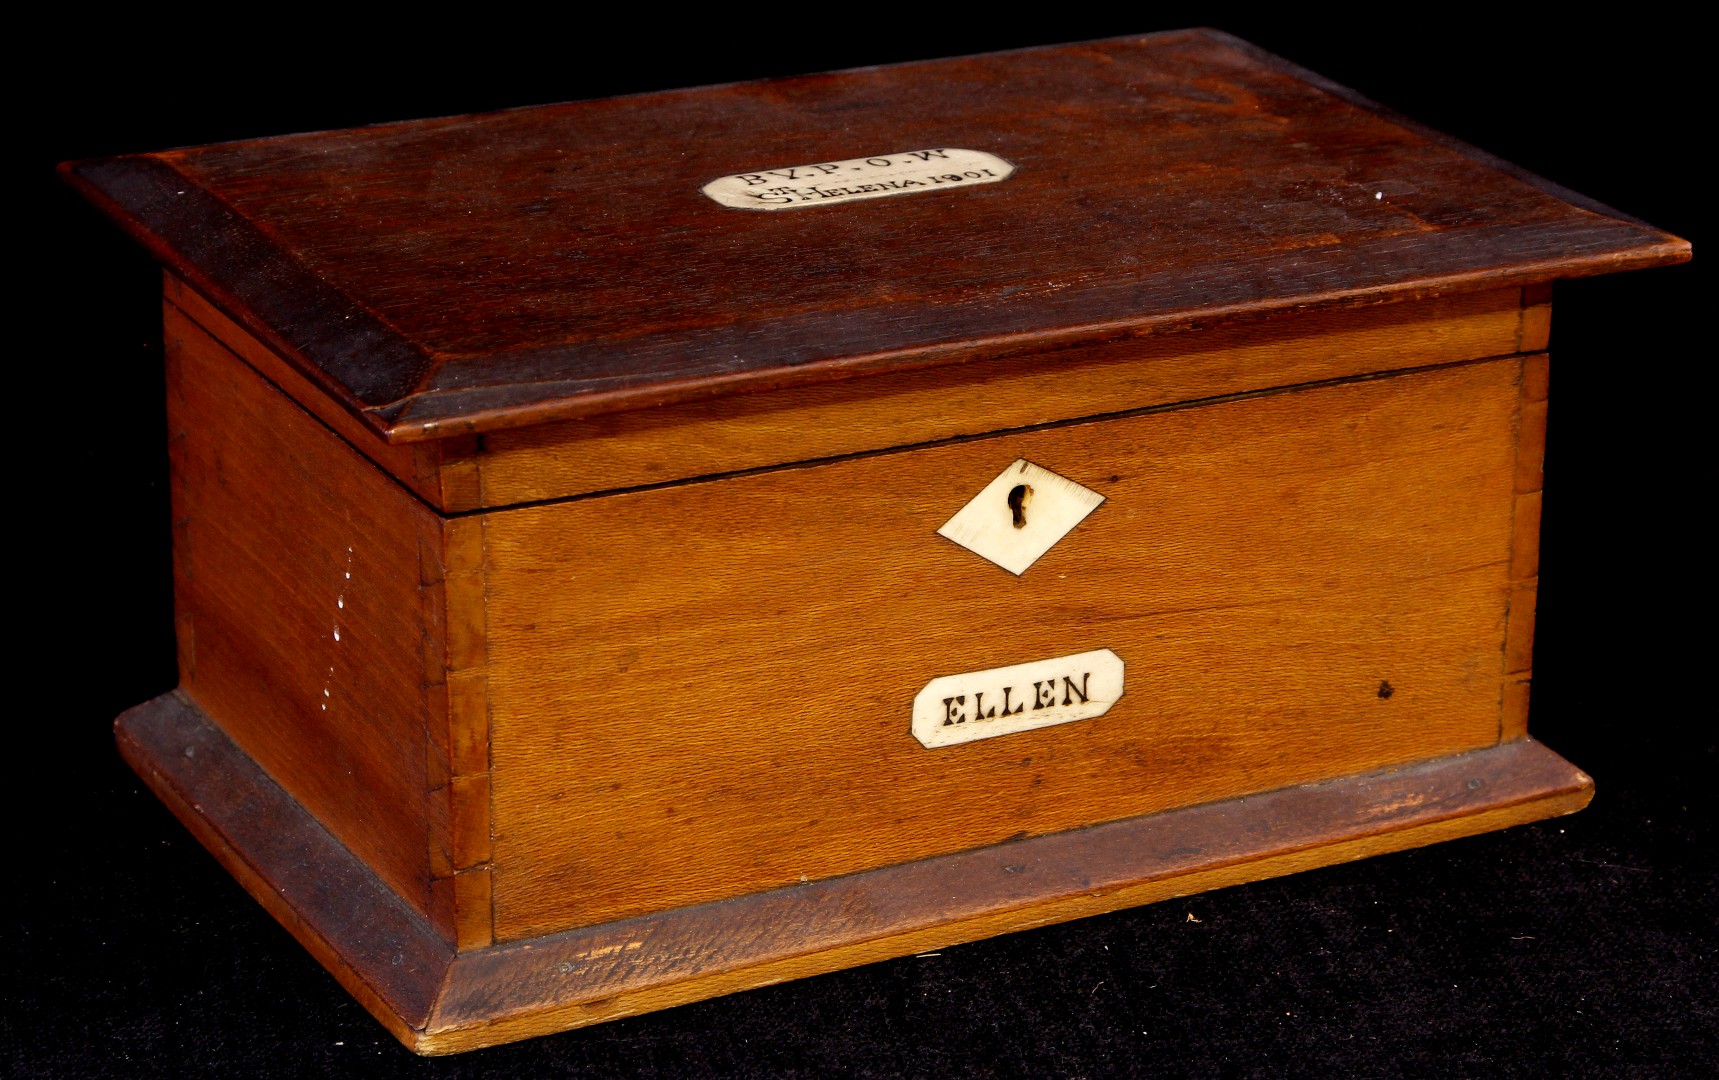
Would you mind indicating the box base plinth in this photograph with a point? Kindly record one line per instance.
(436, 1000)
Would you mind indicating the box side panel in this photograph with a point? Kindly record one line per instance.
(751, 431)
(704, 690)
(419, 466)
(298, 585)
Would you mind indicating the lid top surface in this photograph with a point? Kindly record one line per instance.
(489, 271)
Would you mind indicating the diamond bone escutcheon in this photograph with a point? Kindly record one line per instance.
(1020, 515)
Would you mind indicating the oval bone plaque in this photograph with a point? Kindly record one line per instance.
(1001, 701)
(830, 182)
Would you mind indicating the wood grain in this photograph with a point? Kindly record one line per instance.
(419, 466)
(572, 980)
(522, 267)
(730, 434)
(355, 924)
(458, 708)
(1303, 584)
(1536, 318)
(749, 431)
(552, 589)
(436, 1002)
(1525, 543)
(297, 579)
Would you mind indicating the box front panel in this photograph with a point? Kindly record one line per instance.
(706, 690)
(748, 431)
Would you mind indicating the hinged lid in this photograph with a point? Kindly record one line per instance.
(487, 272)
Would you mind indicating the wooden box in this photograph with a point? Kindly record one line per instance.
(635, 550)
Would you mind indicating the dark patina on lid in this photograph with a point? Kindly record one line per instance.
(476, 273)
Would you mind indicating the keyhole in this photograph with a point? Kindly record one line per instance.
(1018, 504)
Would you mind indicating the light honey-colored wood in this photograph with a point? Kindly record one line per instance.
(1513, 714)
(438, 712)
(751, 431)
(460, 840)
(287, 537)
(1518, 653)
(474, 920)
(627, 511)
(1536, 318)
(298, 583)
(736, 433)
(1530, 461)
(1525, 548)
(1519, 636)
(1303, 584)
(457, 773)
(417, 466)
(459, 484)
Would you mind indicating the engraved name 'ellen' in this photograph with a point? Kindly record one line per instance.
(830, 182)
(1002, 701)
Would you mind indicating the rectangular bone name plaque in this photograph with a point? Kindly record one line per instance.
(1002, 701)
(831, 182)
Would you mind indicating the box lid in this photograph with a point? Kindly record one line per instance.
(476, 273)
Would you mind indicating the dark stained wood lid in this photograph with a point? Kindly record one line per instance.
(482, 272)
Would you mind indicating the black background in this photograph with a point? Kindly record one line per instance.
(1585, 946)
